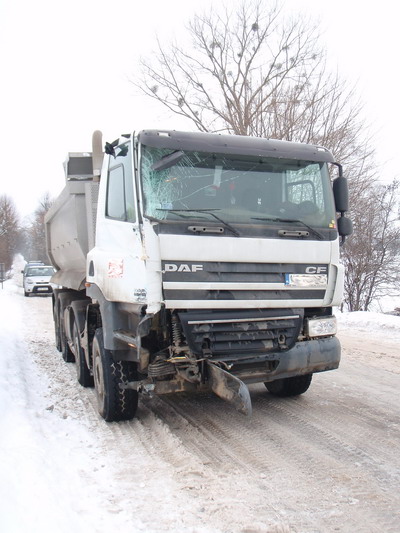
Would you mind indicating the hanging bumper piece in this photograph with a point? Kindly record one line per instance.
(229, 388)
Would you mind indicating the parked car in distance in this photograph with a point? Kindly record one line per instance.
(37, 279)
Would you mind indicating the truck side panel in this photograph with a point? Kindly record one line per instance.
(70, 230)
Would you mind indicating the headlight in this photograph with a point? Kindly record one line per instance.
(321, 327)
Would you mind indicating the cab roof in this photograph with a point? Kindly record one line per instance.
(234, 144)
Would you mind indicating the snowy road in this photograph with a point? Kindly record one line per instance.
(327, 461)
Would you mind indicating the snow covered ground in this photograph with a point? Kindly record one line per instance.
(58, 472)
(42, 466)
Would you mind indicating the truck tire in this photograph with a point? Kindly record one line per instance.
(66, 352)
(114, 403)
(289, 386)
(82, 370)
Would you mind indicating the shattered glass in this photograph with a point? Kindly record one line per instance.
(240, 189)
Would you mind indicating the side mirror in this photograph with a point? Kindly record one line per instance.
(345, 226)
(341, 194)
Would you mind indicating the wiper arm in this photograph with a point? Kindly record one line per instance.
(293, 221)
(273, 219)
(208, 212)
(314, 231)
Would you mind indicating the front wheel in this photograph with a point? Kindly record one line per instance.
(289, 386)
(114, 402)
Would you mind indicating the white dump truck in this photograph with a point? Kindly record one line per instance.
(196, 261)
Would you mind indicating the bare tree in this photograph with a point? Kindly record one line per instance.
(371, 256)
(236, 65)
(9, 231)
(35, 245)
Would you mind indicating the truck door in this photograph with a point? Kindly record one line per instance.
(115, 263)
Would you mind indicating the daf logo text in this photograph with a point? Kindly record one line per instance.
(172, 267)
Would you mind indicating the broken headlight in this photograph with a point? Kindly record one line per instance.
(321, 327)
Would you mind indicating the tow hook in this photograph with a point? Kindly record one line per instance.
(229, 388)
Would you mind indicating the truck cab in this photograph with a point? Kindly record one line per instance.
(214, 263)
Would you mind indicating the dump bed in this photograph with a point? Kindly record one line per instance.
(70, 225)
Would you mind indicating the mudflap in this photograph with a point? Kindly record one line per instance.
(229, 388)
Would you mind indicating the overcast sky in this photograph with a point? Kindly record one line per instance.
(66, 66)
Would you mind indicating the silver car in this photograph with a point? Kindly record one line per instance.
(37, 280)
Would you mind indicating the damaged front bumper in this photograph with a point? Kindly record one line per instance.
(227, 376)
(307, 357)
(304, 358)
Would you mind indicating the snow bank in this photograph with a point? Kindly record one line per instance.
(379, 325)
(23, 454)
(50, 477)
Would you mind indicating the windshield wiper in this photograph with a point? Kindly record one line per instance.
(293, 221)
(208, 212)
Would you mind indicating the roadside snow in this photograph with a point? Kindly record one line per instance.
(377, 325)
(42, 465)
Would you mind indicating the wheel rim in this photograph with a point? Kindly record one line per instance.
(98, 374)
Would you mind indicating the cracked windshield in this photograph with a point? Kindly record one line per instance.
(238, 189)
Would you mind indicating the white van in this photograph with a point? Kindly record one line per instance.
(37, 279)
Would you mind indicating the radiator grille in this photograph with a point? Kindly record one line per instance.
(239, 281)
(232, 332)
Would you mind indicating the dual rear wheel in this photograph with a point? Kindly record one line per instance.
(82, 370)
